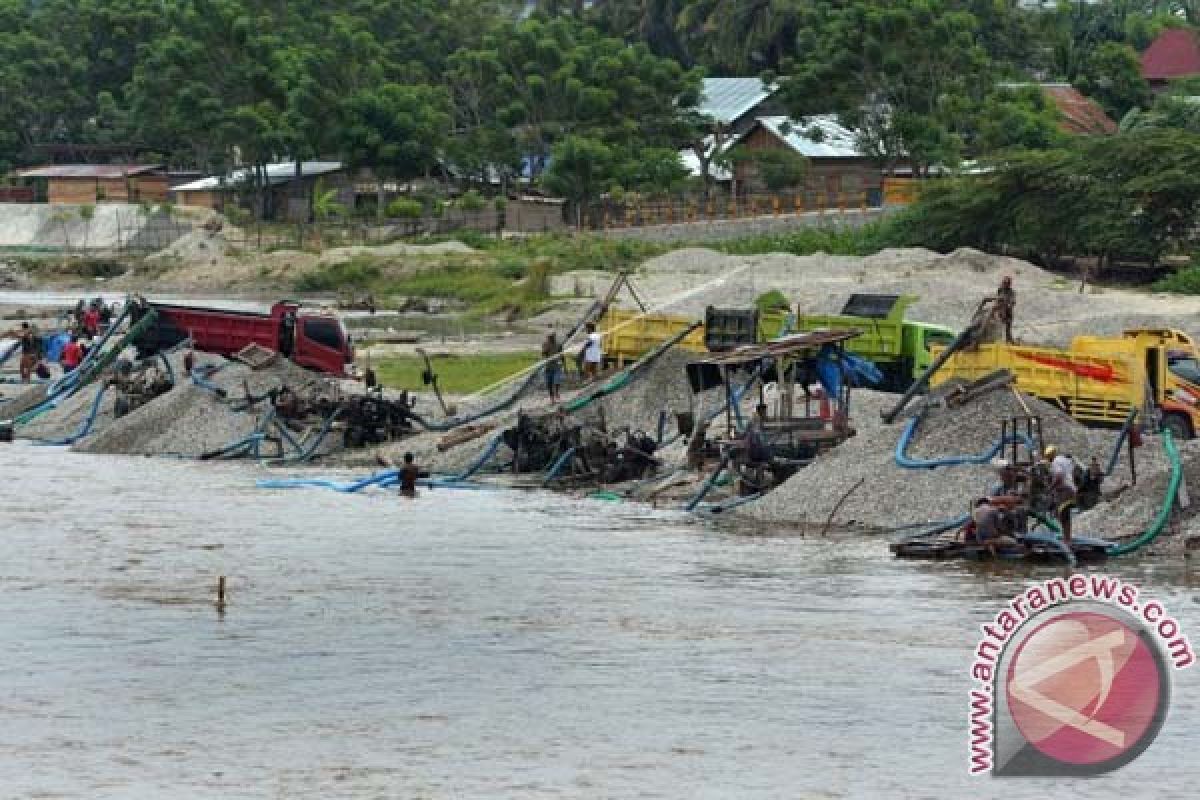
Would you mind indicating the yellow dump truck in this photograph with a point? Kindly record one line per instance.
(628, 335)
(901, 348)
(1098, 380)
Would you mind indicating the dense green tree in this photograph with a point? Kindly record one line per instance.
(1130, 196)
(895, 69)
(1020, 116)
(1112, 75)
(395, 130)
(542, 81)
(581, 168)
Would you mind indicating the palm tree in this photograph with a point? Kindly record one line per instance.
(742, 35)
(325, 206)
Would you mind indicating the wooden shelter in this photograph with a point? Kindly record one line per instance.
(82, 184)
(803, 423)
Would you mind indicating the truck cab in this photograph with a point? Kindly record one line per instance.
(1173, 375)
(313, 339)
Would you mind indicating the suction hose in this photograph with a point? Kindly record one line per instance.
(1164, 512)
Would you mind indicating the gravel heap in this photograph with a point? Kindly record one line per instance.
(191, 420)
(1131, 509)
(660, 386)
(68, 418)
(890, 496)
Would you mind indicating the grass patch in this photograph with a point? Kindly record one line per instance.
(456, 374)
(357, 273)
(509, 276)
(1185, 281)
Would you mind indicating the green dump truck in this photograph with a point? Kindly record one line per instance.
(899, 347)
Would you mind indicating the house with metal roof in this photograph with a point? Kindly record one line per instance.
(1174, 54)
(734, 103)
(287, 194)
(84, 184)
(839, 171)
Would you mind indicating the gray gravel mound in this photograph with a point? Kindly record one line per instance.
(889, 496)
(191, 420)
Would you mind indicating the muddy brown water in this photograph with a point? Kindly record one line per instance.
(485, 645)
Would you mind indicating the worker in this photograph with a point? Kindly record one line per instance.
(408, 476)
(552, 365)
(989, 525)
(593, 353)
(696, 446)
(1006, 304)
(91, 320)
(1062, 488)
(1091, 485)
(31, 349)
(72, 354)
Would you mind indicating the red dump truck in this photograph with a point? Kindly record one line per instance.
(313, 339)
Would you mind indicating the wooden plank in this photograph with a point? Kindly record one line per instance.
(463, 435)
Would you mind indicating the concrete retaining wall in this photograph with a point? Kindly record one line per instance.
(113, 227)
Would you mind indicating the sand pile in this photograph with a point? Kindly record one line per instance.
(1050, 310)
(660, 386)
(200, 246)
(889, 496)
(192, 420)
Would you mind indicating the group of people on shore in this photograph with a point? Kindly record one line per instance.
(87, 321)
(589, 360)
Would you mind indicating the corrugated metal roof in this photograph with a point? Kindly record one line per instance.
(728, 99)
(276, 174)
(102, 171)
(820, 136)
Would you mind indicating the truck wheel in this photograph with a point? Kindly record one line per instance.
(1179, 425)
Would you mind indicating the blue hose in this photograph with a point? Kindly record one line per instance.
(310, 447)
(1126, 429)
(200, 377)
(68, 381)
(382, 480)
(378, 479)
(558, 466)
(708, 484)
(483, 459)
(935, 528)
(907, 462)
(85, 429)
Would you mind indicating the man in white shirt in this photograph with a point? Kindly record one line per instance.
(593, 353)
(1063, 488)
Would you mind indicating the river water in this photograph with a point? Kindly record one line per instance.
(484, 645)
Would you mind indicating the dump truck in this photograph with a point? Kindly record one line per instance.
(900, 348)
(628, 335)
(1099, 380)
(311, 338)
